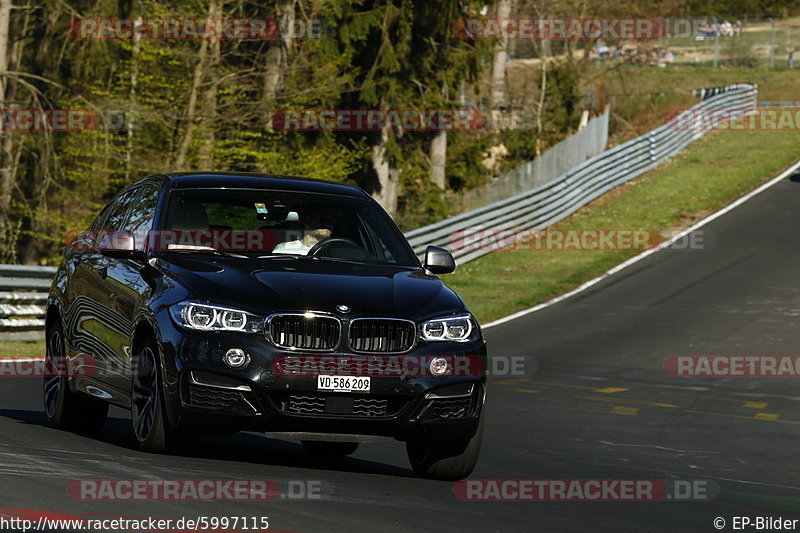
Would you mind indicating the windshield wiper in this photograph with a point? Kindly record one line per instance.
(280, 256)
(334, 259)
(212, 252)
(303, 257)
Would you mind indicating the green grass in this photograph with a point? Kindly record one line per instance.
(707, 175)
(21, 349)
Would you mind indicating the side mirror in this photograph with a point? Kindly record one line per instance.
(119, 244)
(438, 260)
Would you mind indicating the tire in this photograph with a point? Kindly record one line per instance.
(64, 408)
(150, 426)
(329, 449)
(447, 461)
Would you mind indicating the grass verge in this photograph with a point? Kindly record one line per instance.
(710, 173)
(21, 349)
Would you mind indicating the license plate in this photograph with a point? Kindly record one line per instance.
(343, 383)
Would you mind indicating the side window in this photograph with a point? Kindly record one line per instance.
(98, 222)
(109, 219)
(141, 212)
(88, 240)
(116, 216)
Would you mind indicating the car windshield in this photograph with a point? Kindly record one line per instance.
(274, 224)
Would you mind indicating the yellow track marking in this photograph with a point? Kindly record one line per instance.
(607, 390)
(766, 416)
(620, 410)
(529, 391)
(562, 404)
(629, 400)
(562, 385)
(700, 396)
(740, 416)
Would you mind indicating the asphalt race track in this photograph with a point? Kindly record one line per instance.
(600, 405)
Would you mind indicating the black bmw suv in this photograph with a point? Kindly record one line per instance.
(210, 303)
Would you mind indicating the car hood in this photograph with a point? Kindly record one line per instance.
(265, 286)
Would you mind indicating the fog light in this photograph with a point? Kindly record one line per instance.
(438, 366)
(236, 358)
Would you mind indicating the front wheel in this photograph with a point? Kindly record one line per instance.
(64, 408)
(150, 424)
(449, 461)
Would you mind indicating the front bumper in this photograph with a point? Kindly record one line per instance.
(204, 394)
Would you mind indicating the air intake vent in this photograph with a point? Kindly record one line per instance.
(382, 335)
(304, 331)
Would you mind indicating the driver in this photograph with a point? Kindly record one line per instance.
(318, 226)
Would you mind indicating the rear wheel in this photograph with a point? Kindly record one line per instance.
(329, 449)
(150, 425)
(64, 408)
(448, 461)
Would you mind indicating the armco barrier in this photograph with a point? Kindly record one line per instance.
(551, 202)
(23, 292)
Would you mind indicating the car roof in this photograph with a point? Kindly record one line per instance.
(247, 180)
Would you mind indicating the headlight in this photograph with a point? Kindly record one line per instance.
(206, 317)
(457, 328)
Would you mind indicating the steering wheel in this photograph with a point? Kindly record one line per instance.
(328, 243)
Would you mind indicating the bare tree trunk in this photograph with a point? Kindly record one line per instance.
(11, 152)
(388, 178)
(6, 176)
(198, 80)
(498, 81)
(137, 46)
(205, 154)
(191, 108)
(540, 108)
(438, 159)
(277, 55)
(543, 55)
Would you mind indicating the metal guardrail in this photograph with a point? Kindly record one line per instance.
(570, 152)
(23, 289)
(551, 202)
(23, 293)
